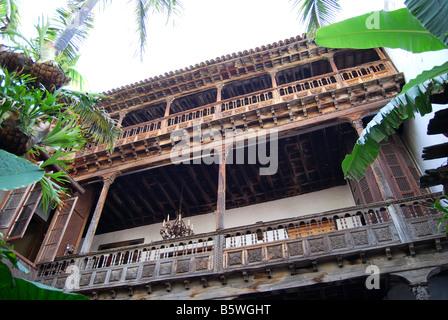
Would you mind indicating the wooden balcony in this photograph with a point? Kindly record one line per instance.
(292, 244)
(327, 95)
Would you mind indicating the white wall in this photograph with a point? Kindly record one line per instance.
(315, 202)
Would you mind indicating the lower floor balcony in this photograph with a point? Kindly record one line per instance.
(255, 254)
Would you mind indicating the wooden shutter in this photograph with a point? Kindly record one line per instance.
(77, 222)
(399, 169)
(25, 213)
(12, 205)
(56, 230)
(366, 189)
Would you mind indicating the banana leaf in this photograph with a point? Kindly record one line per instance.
(415, 100)
(13, 288)
(393, 29)
(432, 15)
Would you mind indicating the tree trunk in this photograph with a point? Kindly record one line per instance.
(69, 32)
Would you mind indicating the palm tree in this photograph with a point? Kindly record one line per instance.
(142, 8)
(316, 13)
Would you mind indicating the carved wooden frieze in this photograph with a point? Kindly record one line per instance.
(295, 248)
(131, 273)
(382, 234)
(60, 283)
(165, 268)
(202, 263)
(100, 277)
(421, 229)
(235, 258)
(183, 266)
(115, 275)
(360, 238)
(85, 279)
(338, 242)
(275, 252)
(148, 270)
(254, 255)
(317, 245)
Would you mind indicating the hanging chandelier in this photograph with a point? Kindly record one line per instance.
(177, 228)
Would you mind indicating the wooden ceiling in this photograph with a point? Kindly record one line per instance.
(306, 162)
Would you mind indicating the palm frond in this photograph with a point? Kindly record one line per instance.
(62, 19)
(316, 13)
(142, 11)
(95, 121)
(9, 16)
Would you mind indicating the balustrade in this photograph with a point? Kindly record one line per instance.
(287, 240)
(262, 98)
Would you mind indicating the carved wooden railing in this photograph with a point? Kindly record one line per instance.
(244, 103)
(287, 241)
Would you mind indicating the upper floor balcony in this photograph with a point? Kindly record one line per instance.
(279, 99)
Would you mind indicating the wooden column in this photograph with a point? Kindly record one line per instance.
(218, 101)
(336, 71)
(122, 114)
(107, 181)
(164, 123)
(276, 95)
(221, 203)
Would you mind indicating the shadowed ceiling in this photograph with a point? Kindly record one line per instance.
(306, 162)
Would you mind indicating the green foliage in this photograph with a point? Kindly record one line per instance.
(316, 13)
(392, 29)
(442, 208)
(387, 120)
(16, 172)
(13, 288)
(24, 104)
(432, 15)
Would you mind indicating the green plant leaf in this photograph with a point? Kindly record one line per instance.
(393, 29)
(426, 75)
(16, 172)
(415, 100)
(432, 15)
(29, 290)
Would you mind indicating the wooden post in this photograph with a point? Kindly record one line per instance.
(336, 71)
(276, 94)
(221, 203)
(107, 181)
(164, 123)
(122, 114)
(218, 100)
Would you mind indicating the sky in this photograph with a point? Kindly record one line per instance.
(203, 30)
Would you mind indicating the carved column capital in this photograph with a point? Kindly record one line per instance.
(109, 179)
(357, 124)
